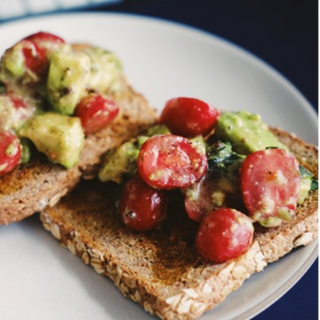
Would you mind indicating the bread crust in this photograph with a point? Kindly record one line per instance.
(30, 188)
(161, 269)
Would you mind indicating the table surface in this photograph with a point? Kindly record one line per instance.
(285, 35)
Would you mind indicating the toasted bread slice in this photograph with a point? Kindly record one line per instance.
(31, 187)
(161, 269)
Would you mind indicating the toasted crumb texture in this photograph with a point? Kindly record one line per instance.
(161, 269)
(30, 188)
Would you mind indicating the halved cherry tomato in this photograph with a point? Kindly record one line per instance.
(46, 41)
(10, 151)
(141, 207)
(211, 193)
(270, 182)
(169, 161)
(24, 62)
(224, 234)
(189, 117)
(35, 59)
(197, 201)
(96, 112)
(42, 37)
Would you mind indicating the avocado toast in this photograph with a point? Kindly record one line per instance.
(42, 179)
(161, 269)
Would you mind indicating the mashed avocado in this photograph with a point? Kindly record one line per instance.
(245, 131)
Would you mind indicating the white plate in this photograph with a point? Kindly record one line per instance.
(38, 279)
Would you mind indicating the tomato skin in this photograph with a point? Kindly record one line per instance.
(189, 117)
(34, 50)
(47, 42)
(10, 152)
(141, 207)
(170, 161)
(42, 37)
(35, 59)
(197, 208)
(270, 183)
(96, 112)
(224, 234)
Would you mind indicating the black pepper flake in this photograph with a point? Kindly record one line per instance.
(64, 91)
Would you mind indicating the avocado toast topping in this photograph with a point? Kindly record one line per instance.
(174, 270)
(45, 83)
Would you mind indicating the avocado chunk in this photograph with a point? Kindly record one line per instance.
(157, 129)
(67, 80)
(105, 69)
(26, 150)
(120, 162)
(246, 132)
(58, 136)
(12, 63)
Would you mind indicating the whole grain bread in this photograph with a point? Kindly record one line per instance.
(161, 269)
(31, 187)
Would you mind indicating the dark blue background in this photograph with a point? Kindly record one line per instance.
(284, 33)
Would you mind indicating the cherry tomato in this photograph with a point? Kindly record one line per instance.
(197, 201)
(24, 58)
(224, 234)
(35, 59)
(10, 151)
(41, 37)
(141, 207)
(169, 161)
(96, 112)
(45, 41)
(211, 193)
(270, 182)
(189, 117)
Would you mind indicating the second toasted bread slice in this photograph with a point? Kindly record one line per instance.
(161, 269)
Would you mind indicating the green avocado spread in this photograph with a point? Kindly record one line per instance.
(245, 131)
